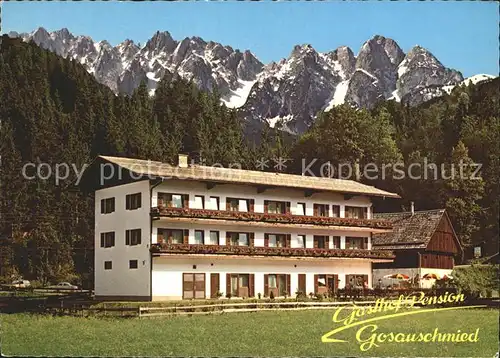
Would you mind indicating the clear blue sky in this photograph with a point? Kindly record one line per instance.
(462, 35)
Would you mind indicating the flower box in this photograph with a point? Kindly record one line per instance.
(267, 251)
(270, 218)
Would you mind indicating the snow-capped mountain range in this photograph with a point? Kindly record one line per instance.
(289, 92)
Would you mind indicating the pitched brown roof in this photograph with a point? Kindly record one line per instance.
(250, 177)
(410, 231)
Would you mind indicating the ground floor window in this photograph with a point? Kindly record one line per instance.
(193, 285)
(326, 284)
(240, 285)
(278, 284)
(356, 281)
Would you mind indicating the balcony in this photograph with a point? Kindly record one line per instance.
(287, 219)
(268, 251)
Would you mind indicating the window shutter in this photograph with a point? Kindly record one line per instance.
(251, 239)
(365, 213)
(252, 205)
(127, 202)
(266, 285)
(127, 237)
(227, 238)
(113, 239)
(288, 206)
(288, 287)
(266, 240)
(315, 210)
(288, 240)
(365, 246)
(227, 204)
(160, 239)
(266, 204)
(185, 201)
(315, 243)
(315, 283)
(113, 205)
(139, 198)
(102, 239)
(327, 242)
(102, 206)
(186, 236)
(228, 283)
(251, 285)
(139, 236)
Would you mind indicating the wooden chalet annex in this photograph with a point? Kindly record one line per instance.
(422, 242)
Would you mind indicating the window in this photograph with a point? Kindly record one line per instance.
(336, 242)
(356, 212)
(199, 202)
(133, 237)
(199, 237)
(321, 280)
(239, 285)
(320, 210)
(320, 242)
(326, 283)
(237, 238)
(193, 285)
(108, 239)
(275, 240)
(355, 242)
(278, 284)
(212, 203)
(233, 204)
(336, 211)
(173, 200)
(301, 209)
(107, 205)
(133, 201)
(108, 265)
(275, 207)
(132, 264)
(172, 236)
(356, 281)
(301, 241)
(214, 238)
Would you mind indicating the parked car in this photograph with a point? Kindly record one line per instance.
(64, 286)
(19, 284)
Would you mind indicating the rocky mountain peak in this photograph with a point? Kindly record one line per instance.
(161, 41)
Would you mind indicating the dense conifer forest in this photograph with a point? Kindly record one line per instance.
(53, 111)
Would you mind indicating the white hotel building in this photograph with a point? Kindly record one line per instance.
(167, 232)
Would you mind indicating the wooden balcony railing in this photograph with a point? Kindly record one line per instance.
(268, 251)
(270, 218)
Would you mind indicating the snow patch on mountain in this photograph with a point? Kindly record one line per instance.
(238, 97)
(338, 95)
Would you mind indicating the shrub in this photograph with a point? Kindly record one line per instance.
(271, 295)
(228, 295)
(476, 280)
(259, 295)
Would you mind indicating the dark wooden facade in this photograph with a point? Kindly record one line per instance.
(439, 252)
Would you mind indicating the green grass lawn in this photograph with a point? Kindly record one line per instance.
(286, 333)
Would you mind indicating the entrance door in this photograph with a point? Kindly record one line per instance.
(193, 285)
(214, 285)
